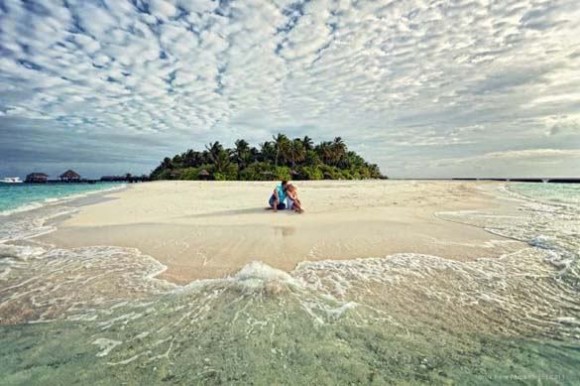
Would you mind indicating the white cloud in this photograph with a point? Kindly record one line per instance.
(450, 78)
(162, 9)
(532, 153)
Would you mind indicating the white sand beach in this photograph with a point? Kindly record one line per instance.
(212, 229)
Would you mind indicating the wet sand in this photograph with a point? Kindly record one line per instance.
(205, 230)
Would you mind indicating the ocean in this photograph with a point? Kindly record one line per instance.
(22, 197)
(97, 315)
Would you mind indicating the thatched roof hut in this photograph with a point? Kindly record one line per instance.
(203, 175)
(36, 177)
(70, 175)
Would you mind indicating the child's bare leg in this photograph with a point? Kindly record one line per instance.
(299, 206)
(273, 205)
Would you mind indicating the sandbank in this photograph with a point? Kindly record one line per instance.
(203, 230)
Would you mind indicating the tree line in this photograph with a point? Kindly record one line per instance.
(281, 158)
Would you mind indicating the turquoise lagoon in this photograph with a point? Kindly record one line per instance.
(21, 197)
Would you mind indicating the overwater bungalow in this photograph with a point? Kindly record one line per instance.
(70, 176)
(37, 178)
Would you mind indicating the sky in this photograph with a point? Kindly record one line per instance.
(423, 88)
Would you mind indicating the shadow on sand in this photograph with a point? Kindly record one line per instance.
(239, 212)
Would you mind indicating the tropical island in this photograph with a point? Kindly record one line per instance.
(282, 158)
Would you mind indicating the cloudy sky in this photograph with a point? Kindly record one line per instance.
(424, 88)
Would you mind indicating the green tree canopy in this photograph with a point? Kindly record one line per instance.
(280, 158)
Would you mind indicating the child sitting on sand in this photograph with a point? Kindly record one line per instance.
(292, 198)
(278, 198)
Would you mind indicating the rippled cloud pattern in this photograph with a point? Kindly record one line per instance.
(421, 87)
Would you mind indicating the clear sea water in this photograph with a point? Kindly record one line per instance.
(97, 315)
(20, 197)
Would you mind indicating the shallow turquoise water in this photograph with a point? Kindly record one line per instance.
(29, 196)
(555, 193)
(99, 317)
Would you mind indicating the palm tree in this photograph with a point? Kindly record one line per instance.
(254, 155)
(267, 152)
(188, 157)
(192, 158)
(311, 158)
(282, 146)
(375, 171)
(214, 149)
(338, 151)
(325, 152)
(167, 163)
(296, 151)
(354, 160)
(205, 157)
(242, 153)
(308, 143)
(177, 159)
(219, 157)
(250, 162)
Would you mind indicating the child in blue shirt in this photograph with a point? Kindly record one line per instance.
(278, 199)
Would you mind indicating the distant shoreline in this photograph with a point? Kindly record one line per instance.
(534, 180)
(499, 179)
(83, 181)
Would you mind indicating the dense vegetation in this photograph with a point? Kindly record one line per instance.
(281, 158)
